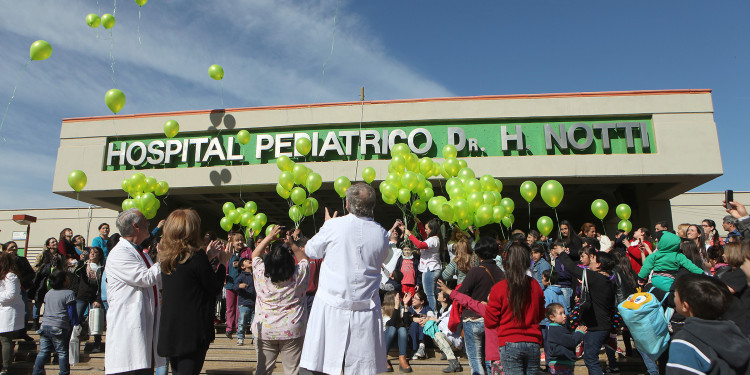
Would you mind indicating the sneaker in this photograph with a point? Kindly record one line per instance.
(579, 350)
(229, 335)
(240, 342)
(420, 353)
(612, 370)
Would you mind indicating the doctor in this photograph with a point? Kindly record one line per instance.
(345, 328)
(133, 315)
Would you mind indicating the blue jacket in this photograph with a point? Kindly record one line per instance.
(562, 343)
(564, 278)
(245, 296)
(232, 272)
(538, 268)
(553, 294)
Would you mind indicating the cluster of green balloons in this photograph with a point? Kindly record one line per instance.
(77, 180)
(623, 212)
(406, 182)
(298, 183)
(247, 216)
(473, 201)
(106, 20)
(143, 191)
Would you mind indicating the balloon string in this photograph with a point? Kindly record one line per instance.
(559, 233)
(242, 148)
(529, 216)
(12, 96)
(112, 56)
(139, 26)
(114, 11)
(333, 43)
(603, 227)
(221, 84)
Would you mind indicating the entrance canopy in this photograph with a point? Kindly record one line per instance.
(636, 147)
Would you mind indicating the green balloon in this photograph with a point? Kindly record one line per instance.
(225, 224)
(141, 2)
(115, 100)
(216, 72)
(246, 219)
(418, 207)
(552, 193)
(171, 128)
(508, 220)
(508, 204)
(399, 149)
(498, 213)
(498, 186)
(93, 20)
(298, 195)
(295, 213)
(472, 185)
(599, 208)
(128, 204)
(262, 218)
(544, 224)
(451, 166)
(388, 199)
(227, 208)
(286, 180)
(252, 207)
(125, 184)
(623, 211)
(484, 214)
(284, 193)
(389, 190)
(404, 195)
(243, 136)
(77, 180)
(447, 212)
(461, 209)
(284, 163)
(314, 182)
(300, 173)
(137, 182)
(625, 225)
(234, 216)
(426, 166)
(162, 187)
(488, 198)
(310, 206)
(341, 184)
(409, 180)
(368, 174)
(528, 191)
(466, 172)
(475, 199)
(393, 179)
(449, 151)
(40, 50)
(108, 21)
(303, 145)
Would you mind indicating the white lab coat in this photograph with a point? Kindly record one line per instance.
(132, 320)
(12, 309)
(346, 325)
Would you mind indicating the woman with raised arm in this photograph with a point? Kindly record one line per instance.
(280, 314)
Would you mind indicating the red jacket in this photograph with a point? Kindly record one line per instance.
(634, 255)
(499, 314)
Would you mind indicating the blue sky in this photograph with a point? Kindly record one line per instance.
(273, 53)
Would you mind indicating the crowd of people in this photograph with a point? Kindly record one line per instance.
(341, 298)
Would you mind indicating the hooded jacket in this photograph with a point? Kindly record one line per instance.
(667, 259)
(709, 347)
(554, 294)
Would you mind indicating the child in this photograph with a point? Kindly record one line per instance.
(561, 343)
(407, 263)
(393, 283)
(538, 263)
(666, 262)
(706, 344)
(716, 260)
(418, 311)
(245, 289)
(587, 253)
(236, 250)
(564, 278)
(60, 316)
(442, 335)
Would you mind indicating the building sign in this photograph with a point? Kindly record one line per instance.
(475, 139)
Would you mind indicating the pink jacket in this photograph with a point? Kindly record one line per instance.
(491, 349)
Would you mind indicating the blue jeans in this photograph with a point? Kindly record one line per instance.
(428, 283)
(567, 295)
(163, 370)
(474, 345)
(416, 332)
(36, 308)
(390, 333)
(651, 366)
(57, 339)
(247, 313)
(592, 343)
(520, 358)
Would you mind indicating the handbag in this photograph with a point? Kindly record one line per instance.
(74, 346)
(584, 303)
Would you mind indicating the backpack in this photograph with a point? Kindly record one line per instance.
(648, 322)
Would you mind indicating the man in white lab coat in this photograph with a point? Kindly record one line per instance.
(345, 328)
(133, 315)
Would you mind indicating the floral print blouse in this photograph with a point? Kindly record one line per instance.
(280, 308)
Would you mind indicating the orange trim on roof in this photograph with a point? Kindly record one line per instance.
(399, 101)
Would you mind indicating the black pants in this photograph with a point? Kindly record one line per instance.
(188, 364)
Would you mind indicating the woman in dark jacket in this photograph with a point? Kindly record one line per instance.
(189, 287)
(89, 291)
(47, 261)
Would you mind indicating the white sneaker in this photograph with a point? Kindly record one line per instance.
(420, 353)
(240, 342)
